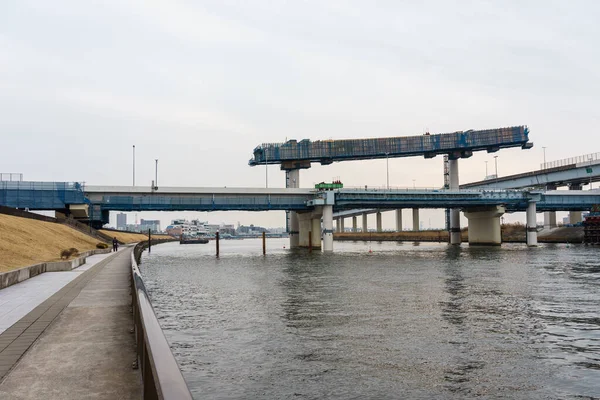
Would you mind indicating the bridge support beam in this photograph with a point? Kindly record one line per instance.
(292, 180)
(484, 225)
(575, 216)
(354, 225)
(531, 224)
(379, 225)
(365, 227)
(455, 237)
(415, 219)
(399, 220)
(328, 228)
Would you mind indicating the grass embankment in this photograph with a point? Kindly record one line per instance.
(26, 241)
(129, 237)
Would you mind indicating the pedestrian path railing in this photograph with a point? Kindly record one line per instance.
(161, 376)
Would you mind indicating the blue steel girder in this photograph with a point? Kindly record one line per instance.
(347, 200)
(202, 203)
(293, 154)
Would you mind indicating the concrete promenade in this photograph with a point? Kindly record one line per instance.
(77, 343)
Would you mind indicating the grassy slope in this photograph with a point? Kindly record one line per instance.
(26, 241)
(127, 237)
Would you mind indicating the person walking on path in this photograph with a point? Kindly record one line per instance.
(115, 244)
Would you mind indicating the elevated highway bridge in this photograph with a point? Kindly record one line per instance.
(482, 207)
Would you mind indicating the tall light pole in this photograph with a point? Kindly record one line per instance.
(486, 171)
(414, 187)
(134, 165)
(156, 172)
(496, 162)
(544, 148)
(387, 169)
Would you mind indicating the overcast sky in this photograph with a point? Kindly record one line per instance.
(198, 84)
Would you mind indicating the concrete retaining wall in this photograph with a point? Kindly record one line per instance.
(19, 275)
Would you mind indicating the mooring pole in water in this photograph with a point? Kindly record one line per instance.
(217, 242)
(149, 240)
(264, 243)
(310, 241)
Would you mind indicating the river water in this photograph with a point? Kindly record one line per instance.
(380, 320)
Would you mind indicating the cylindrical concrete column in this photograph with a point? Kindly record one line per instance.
(455, 237)
(415, 219)
(292, 180)
(531, 224)
(341, 220)
(365, 228)
(305, 226)
(379, 225)
(399, 220)
(575, 216)
(338, 227)
(316, 232)
(549, 219)
(327, 228)
(354, 225)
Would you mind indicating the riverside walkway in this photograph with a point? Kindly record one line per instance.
(77, 343)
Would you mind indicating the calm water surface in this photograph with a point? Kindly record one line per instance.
(405, 321)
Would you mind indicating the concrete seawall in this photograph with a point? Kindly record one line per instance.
(19, 275)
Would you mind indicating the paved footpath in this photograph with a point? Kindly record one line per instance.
(76, 344)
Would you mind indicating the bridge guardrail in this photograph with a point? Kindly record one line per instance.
(161, 376)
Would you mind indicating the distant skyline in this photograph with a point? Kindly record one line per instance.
(199, 85)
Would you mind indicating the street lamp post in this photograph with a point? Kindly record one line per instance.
(544, 148)
(496, 162)
(156, 172)
(134, 165)
(414, 187)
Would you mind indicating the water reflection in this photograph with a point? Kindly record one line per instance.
(426, 321)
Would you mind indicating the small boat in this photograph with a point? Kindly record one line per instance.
(193, 240)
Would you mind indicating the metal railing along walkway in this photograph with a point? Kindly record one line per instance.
(162, 378)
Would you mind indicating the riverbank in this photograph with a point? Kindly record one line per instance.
(510, 234)
(28, 241)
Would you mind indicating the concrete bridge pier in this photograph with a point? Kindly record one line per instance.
(292, 180)
(310, 223)
(354, 225)
(415, 219)
(549, 219)
(341, 223)
(399, 220)
(316, 231)
(365, 227)
(328, 228)
(550, 216)
(337, 225)
(379, 225)
(575, 216)
(455, 237)
(484, 225)
(531, 224)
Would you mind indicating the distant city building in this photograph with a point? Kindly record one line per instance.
(150, 224)
(121, 221)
